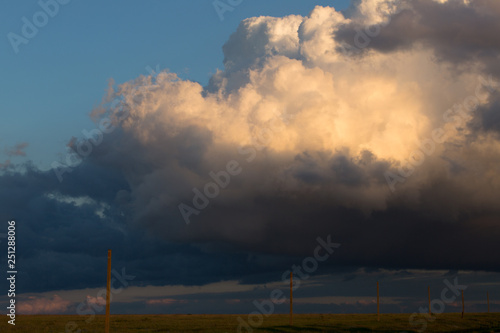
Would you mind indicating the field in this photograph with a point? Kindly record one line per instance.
(450, 322)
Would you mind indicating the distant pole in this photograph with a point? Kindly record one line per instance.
(488, 299)
(463, 306)
(429, 292)
(291, 299)
(108, 289)
(378, 303)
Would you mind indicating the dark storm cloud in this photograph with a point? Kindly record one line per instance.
(62, 244)
(57, 236)
(456, 32)
(283, 206)
(489, 116)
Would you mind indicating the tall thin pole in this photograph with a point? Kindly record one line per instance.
(291, 299)
(488, 299)
(463, 306)
(108, 289)
(429, 292)
(378, 303)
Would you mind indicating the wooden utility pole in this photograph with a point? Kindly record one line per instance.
(291, 299)
(378, 303)
(108, 289)
(488, 300)
(429, 292)
(463, 306)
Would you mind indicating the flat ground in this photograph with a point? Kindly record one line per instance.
(450, 322)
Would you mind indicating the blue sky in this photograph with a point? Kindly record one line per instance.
(49, 87)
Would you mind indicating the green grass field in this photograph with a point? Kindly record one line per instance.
(451, 322)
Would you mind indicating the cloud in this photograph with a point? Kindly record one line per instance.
(17, 150)
(35, 305)
(315, 128)
(5, 165)
(164, 301)
(322, 125)
(96, 300)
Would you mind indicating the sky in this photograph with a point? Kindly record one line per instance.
(76, 53)
(217, 146)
